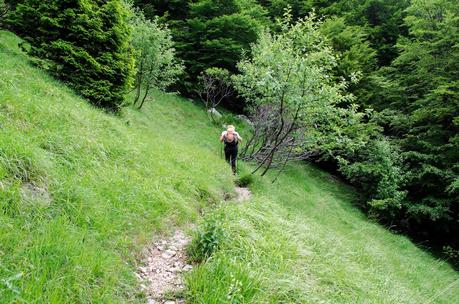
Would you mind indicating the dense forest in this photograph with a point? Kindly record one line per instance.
(368, 88)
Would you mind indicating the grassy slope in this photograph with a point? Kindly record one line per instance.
(115, 180)
(112, 184)
(302, 241)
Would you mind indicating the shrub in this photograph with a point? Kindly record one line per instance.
(452, 254)
(208, 239)
(245, 180)
(376, 169)
(83, 43)
(157, 65)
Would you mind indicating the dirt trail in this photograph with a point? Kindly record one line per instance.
(243, 194)
(165, 262)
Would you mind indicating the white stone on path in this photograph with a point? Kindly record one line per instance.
(163, 264)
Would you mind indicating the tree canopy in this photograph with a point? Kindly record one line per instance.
(83, 43)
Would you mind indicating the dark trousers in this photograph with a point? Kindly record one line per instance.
(231, 156)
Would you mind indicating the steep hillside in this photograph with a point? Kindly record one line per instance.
(83, 191)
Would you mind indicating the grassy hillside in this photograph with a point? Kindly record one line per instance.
(302, 241)
(82, 191)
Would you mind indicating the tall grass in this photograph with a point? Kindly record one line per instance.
(82, 191)
(302, 241)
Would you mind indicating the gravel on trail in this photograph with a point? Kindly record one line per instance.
(163, 265)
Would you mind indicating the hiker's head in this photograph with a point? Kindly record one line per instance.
(230, 129)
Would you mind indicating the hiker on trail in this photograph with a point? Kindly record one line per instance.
(231, 140)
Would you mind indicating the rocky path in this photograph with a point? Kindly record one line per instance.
(165, 262)
(243, 194)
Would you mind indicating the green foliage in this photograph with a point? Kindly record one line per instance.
(222, 75)
(215, 34)
(4, 10)
(377, 169)
(290, 69)
(366, 158)
(84, 43)
(451, 253)
(245, 180)
(289, 78)
(207, 240)
(352, 45)
(356, 57)
(214, 85)
(424, 114)
(157, 67)
(170, 10)
(382, 19)
(276, 8)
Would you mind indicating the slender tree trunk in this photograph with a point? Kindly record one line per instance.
(144, 97)
(262, 162)
(261, 147)
(277, 144)
(276, 138)
(138, 82)
(137, 95)
(247, 145)
(285, 162)
(270, 161)
(253, 154)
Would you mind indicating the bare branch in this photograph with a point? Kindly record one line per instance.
(215, 87)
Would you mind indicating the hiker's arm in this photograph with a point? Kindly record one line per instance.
(222, 137)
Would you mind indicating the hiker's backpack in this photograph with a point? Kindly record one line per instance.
(231, 143)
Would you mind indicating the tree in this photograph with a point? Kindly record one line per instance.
(287, 83)
(276, 8)
(215, 86)
(382, 20)
(157, 66)
(299, 111)
(215, 34)
(365, 157)
(425, 116)
(170, 9)
(356, 57)
(83, 43)
(4, 9)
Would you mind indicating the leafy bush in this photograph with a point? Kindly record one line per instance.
(376, 169)
(215, 85)
(157, 65)
(451, 253)
(208, 239)
(245, 180)
(83, 43)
